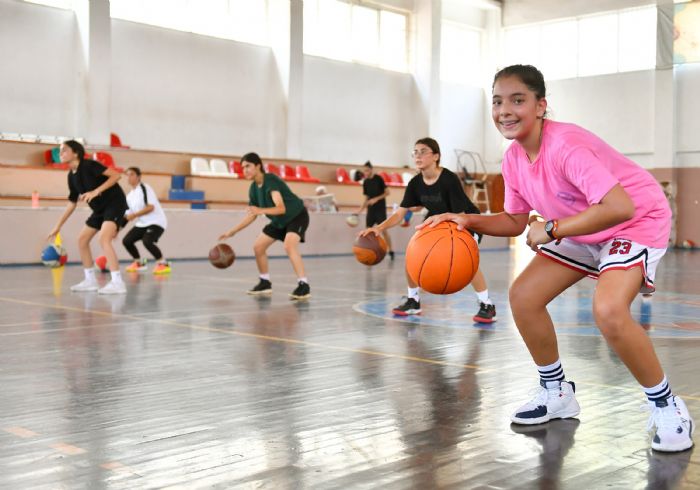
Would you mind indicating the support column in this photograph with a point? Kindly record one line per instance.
(428, 28)
(295, 95)
(94, 24)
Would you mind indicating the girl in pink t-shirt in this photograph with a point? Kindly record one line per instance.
(605, 217)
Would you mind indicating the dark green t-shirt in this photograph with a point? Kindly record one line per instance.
(261, 196)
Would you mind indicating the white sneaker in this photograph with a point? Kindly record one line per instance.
(674, 425)
(84, 286)
(113, 288)
(554, 400)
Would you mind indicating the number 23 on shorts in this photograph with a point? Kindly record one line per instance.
(621, 247)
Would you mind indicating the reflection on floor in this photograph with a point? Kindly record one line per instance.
(188, 382)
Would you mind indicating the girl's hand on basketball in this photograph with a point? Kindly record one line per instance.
(53, 233)
(461, 220)
(370, 230)
(536, 235)
(226, 235)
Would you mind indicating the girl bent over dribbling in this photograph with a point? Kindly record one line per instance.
(95, 184)
(289, 219)
(607, 218)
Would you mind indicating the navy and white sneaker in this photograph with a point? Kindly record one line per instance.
(674, 425)
(554, 400)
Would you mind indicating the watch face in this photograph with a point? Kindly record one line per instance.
(548, 226)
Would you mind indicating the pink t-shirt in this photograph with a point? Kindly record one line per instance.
(574, 170)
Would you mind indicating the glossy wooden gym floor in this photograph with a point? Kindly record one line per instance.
(187, 382)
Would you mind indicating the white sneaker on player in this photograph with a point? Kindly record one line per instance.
(84, 286)
(113, 288)
(674, 425)
(553, 400)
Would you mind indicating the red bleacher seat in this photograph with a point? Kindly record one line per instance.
(236, 168)
(343, 177)
(397, 180)
(115, 141)
(385, 177)
(49, 160)
(271, 168)
(287, 172)
(302, 173)
(106, 159)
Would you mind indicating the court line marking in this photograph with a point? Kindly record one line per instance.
(316, 344)
(67, 449)
(20, 432)
(207, 282)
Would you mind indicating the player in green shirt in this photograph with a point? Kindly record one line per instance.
(289, 219)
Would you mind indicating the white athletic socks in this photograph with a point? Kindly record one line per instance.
(414, 294)
(551, 372)
(483, 296)
(90, 274)
(658, 393)
(304, 280)
(265, 277)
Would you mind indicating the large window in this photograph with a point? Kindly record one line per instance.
(460, 54)
(343, 31)
(613, 42)
(686, 23)
(240, 20)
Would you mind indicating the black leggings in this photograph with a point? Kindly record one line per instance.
(149, 235)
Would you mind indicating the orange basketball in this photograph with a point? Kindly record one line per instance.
(221, 256)
(442, 260)
(369, 249)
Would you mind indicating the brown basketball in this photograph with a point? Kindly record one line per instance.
(442, 260)
(221, 256)
(370, 249)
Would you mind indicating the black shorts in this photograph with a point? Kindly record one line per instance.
(298, 225)
(376, 215)
(112, 212)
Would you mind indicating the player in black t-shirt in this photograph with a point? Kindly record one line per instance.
(437, 189)
(95, 184)
(375, 191)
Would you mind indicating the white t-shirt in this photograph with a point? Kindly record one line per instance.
(138, 198)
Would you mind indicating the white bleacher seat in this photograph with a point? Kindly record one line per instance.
(220, 168)
(199, 166)
(51, 140)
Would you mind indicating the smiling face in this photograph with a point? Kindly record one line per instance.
(424, 157)
(516, 110)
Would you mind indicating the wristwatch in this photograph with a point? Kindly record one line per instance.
(551, 228)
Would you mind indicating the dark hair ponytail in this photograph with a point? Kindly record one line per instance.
(528, 74)
(432, 144)
(77, 148)
(255, 159)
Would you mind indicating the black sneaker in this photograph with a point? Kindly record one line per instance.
(302, 291)
(487, 314)
(391, 255)
(410, 307)
(263, 287)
